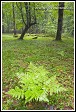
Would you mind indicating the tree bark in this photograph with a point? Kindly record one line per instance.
(25, 30)
(2, 28)
(60, 20)
(28, 19)
(14, 23)
(3, 22)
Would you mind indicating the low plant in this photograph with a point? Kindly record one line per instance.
(35, 85)
(61, 53)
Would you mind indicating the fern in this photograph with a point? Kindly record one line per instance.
(35, 85)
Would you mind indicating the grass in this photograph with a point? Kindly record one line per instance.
(57, 57)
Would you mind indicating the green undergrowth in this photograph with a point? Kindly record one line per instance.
(57, 57)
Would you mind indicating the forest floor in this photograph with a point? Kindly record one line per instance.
(56, 56)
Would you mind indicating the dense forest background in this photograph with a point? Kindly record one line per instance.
(43, 16)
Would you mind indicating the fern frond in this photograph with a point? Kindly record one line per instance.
(35, 85)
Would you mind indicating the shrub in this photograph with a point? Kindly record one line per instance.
(35, 85)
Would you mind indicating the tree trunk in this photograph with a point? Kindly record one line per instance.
(2, 28)
(28, 23)
(25, 30)
(60, 20)
(14, 23)
(2, 22)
